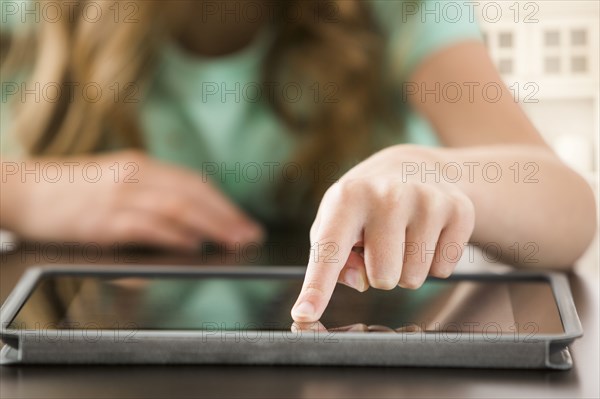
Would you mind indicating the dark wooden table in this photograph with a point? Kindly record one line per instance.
(283, 382)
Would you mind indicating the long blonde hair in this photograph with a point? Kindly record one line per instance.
(343, 49)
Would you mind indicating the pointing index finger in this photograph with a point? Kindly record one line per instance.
(338, 232)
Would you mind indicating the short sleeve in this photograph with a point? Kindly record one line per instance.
(18, 17)
(417, 29)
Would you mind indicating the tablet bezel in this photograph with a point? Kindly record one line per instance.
(558, 282)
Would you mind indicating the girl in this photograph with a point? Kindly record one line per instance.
(144, 119)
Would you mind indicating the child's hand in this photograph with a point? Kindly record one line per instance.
(408, 229)
(135, 199)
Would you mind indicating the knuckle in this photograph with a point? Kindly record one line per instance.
(340, 190)
(429, 198)
(466, 214)
(436, 205)
(172, 208)
(462, 217)
(325, 251)
(333, 193)
(390, 193)
(441, 204)
(129, 228)
(460, 202)
(314, 289)
(118, 194)
(386, 192)
(422, 190)
(347, 189)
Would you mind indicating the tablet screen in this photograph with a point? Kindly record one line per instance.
(200, 302)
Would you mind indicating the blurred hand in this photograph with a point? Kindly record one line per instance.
(134, 199)
(378, 228)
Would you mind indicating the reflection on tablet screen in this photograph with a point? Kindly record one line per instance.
(260, 303)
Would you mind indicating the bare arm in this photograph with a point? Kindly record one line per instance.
(496, 182)
(538, 199)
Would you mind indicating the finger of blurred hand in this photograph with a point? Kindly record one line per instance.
(146, 228)
(201, 191)
(187, 214)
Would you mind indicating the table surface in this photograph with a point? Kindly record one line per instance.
(288, 381)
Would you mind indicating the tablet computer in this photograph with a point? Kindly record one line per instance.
(241, 315)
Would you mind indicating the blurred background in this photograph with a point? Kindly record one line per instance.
(548, 55)
(547, 52)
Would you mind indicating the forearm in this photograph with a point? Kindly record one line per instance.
(527, 202)
(11, 197)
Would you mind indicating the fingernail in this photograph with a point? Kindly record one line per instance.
(354, 279)
(304, 311)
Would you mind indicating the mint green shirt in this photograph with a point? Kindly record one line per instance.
(203, 113)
